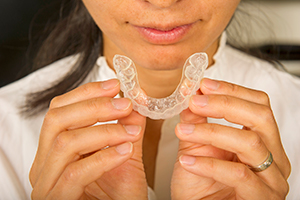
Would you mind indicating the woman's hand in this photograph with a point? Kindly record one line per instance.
(212, 159)
(73, 161)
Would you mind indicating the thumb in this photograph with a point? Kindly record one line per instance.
(188, 117)
(134, 118)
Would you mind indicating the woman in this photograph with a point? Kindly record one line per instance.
(92, 145)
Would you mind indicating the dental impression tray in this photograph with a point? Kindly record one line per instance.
(161, 108)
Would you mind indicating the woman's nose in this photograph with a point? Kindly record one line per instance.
(162, 3)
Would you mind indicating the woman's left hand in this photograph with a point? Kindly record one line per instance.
(213, 160)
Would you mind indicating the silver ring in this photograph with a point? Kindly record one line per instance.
(264, 165)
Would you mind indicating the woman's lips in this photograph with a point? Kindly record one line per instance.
(164, 36)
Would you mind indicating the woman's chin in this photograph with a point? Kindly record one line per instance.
(163, 61)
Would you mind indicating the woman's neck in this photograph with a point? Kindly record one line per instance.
(158, 84)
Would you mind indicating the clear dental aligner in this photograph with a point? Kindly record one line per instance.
(161, 108)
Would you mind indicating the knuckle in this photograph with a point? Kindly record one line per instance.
(32, 176)
(288, 168)
(210, 165)
(71, 173)
(94, 104)
(212, 129)
(61, 142)
(110, 129)
(263, 98)
(34, 194)
(241, 172)
(226, 101)
(255, 142)
(37, 193)
(88, 89)
(281, 188)
(234, 89)
(54, 102)
(284, 189)
(266, 115)
(100, 160)
(107, 129)
(281, 191)
(52, 117)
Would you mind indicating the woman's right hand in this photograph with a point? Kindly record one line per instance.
(72, 161)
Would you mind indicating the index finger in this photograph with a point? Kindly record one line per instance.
(109, 88)
(210, 86)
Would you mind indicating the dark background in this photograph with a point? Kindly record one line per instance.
(16, 18)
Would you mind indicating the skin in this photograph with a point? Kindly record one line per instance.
(117, 19)
(72, 161)
(213, 157)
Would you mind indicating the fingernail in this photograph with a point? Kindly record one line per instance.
(133, 129)
(200, 100)
(187, 160)
(186, 128)
(121, 103)
(124, 148)
(109, 84)
(211, 84)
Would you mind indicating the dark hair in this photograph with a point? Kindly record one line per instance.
(75, 33)
(244, 29)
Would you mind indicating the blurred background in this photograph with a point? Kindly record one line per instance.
(15, 29)
(274, 27)
(282, 17)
